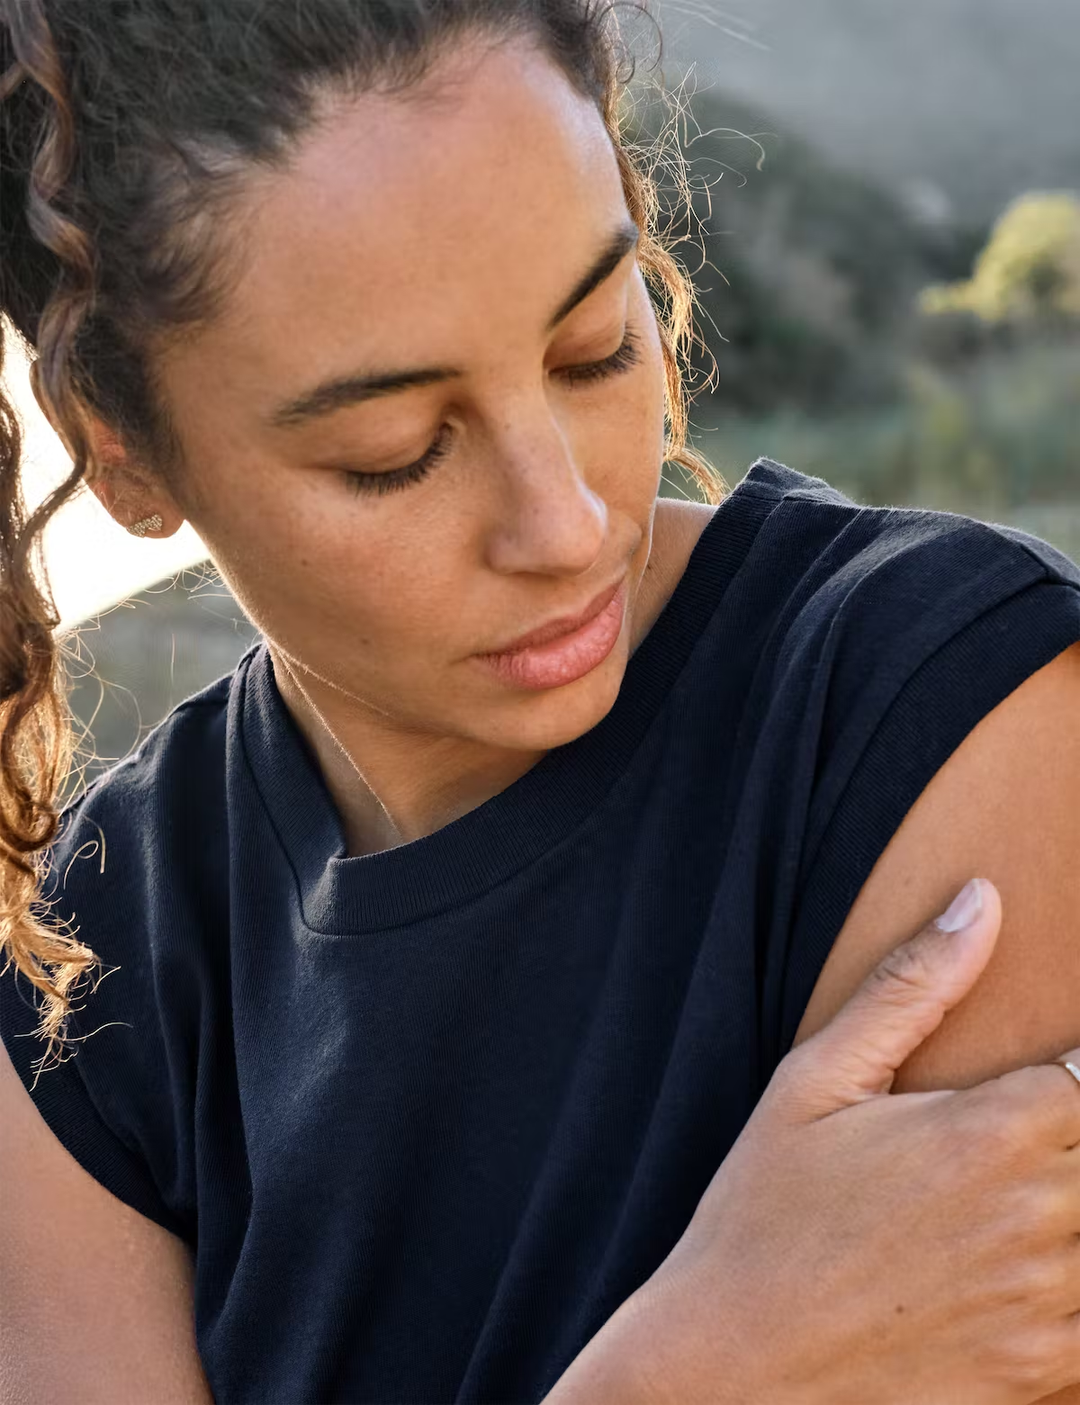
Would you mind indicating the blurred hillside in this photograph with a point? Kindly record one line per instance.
(909, 363)
(959, 105)
(807, 273)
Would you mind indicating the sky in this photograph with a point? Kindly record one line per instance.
(92, 563)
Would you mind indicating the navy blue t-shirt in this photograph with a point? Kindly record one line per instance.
(428, 1117)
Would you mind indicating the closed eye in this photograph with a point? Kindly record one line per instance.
(383, 483)
(627, 356)
(587, 373)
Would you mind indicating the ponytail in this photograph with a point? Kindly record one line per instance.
(35, 730)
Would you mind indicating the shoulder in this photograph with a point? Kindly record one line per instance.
(871, 535)
(135, 874)
(1005, 806)
(175, 777)
(870, 579)
(902, 627)
(888, 640)
(900, 563)
(191, 732)
(880, 637)
(140, 864)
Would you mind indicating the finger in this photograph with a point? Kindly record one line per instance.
(1037, 1106)
(901, 1003)
(1062, 1361)
(1069, 1064)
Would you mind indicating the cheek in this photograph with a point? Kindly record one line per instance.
(312, 566)
(632, 432)
(303, 559)
(334, 572)
(654, 410)
(649, 392)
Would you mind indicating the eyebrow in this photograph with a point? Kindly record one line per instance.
(343, 391)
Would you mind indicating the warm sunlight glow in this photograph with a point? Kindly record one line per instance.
(92, 563)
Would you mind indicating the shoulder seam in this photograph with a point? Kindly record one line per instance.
(1048, 569)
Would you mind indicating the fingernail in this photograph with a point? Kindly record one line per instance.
(965, 910)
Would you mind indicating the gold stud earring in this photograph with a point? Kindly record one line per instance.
(148, 524)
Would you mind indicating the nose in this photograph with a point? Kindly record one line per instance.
(546, 520)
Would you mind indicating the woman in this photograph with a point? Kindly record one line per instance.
(451, 942)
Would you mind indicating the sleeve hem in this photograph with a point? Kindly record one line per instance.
(931, 716)
(64, 1102)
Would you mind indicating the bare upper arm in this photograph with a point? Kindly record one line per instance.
(96, 1299)
(1006, 807)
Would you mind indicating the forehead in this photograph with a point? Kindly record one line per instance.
(416, 221)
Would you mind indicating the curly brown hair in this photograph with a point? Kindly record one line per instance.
(126, 128)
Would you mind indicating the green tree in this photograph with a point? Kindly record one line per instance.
(1029, 272)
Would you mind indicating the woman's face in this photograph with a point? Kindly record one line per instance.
(429, 418)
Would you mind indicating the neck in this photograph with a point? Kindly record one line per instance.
(390, 786)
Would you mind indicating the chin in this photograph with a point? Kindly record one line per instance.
(544, 720)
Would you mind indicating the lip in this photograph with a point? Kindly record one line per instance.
(560, 628)
(580, 645)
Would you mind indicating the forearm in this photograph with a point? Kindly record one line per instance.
(612, 1370)
(637, 1359)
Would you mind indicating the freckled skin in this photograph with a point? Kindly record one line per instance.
(443, 229)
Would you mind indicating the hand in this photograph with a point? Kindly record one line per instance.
(916, 1249)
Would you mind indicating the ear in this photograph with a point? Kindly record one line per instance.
(127, 490)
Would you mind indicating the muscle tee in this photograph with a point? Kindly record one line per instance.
(428, 1117)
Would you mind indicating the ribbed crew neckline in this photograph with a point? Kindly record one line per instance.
(487, 846)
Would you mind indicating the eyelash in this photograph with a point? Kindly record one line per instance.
(627, 357)
(382, 483)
